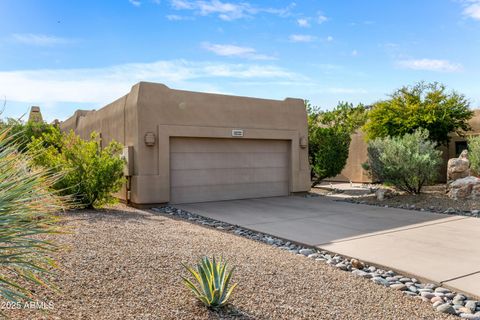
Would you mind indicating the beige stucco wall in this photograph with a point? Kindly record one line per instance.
(357, 154)
(155, 108)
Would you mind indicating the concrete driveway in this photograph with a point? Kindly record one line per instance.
(439, 248)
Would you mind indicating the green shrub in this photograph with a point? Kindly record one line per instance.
(474, 153)
(329, 138)
(27, 209)
(328, 152)
(89, 173)
(213, 281)
(408, 162)
(24, 133)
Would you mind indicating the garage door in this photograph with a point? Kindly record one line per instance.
(224, 169)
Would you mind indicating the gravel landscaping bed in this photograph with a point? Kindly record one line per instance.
(124, 263)
(443, 300)
(423, 202)
(432, 199)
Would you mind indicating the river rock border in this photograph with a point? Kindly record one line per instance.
(442, 299)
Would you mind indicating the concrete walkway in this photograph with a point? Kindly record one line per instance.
(439, 248)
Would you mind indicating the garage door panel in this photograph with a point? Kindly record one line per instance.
(200, 145)
(214, 160)
(228, 192)
(222, 169)
(226, 176)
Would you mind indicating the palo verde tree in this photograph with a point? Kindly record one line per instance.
(329, 138)
(424, 105)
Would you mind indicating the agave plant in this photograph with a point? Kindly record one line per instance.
(213, 281)
(27, 210)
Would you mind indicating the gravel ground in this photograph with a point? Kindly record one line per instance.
(125, 264)
(432, 198)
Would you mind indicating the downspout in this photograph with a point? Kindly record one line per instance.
(128, 183)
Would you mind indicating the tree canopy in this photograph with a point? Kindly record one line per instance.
(423, 105)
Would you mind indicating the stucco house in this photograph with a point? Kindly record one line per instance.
(183, 146)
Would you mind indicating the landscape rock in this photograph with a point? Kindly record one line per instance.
(383, 193)
(361, 273)
(465, 310)
(380, 280)
(306, 252)
(428, 295)
(450, 295)
(357, 264)
(436, 299)
(458, 168)
(470, 316)
(398, 286)
(459, 297)
(471, 304)
(342, 266)
(442, 290)
(465, 188)
(446, 308)
(413, 289)
(431, 286)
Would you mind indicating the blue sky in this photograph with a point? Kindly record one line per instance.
(65, 55)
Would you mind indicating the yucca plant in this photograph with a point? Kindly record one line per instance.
(27, 210)
(213, 281)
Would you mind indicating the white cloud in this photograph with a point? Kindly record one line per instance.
(228, 50)
(301, 38)
(354, 53)
(430, 65)
(175, 17)
(329, 38)
(321, 18)
(303, 22)
(472, 10)
(39, 39)
(226, 10)
(135, 3)
(103, 85)
(181, 4)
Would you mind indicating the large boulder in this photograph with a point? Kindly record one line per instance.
(465, 188)
(458, 168)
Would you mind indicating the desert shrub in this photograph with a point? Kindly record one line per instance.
(27, 209)
(474, 153)
(423, 105)
(328, 152)
(23, 133)
(89, 173)
(329, 136)
(213, 280)
(408, 162)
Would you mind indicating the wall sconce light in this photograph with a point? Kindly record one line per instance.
(303, 142)
(150, 139)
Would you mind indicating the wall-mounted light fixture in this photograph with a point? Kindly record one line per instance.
(303, 142)
(150, 139)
